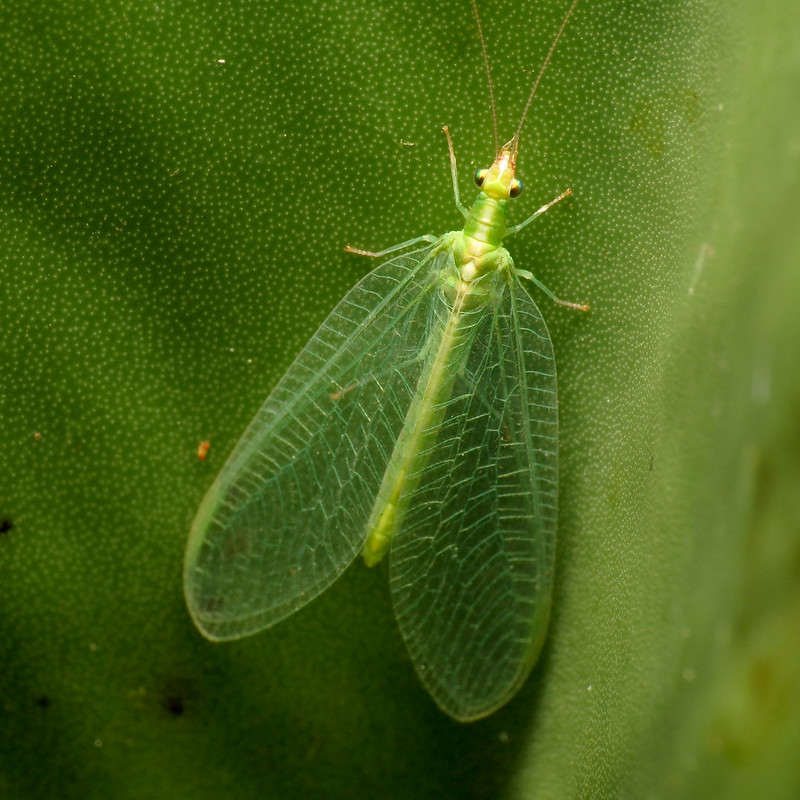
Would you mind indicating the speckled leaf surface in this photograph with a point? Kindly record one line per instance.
(178, 183)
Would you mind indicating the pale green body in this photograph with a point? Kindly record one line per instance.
(476, 251)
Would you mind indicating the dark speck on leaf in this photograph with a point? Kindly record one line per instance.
(174, 705)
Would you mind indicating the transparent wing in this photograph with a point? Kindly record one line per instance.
(288, 512)
(472, 566)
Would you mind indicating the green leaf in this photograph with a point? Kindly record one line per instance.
(178, 185)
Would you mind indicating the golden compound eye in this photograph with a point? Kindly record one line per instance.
(480, 177)
(515, 190)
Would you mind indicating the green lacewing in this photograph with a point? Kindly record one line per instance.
(420, 422)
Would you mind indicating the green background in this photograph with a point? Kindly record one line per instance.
(178, 181)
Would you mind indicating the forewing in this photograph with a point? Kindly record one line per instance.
(472, 567)
(288, 512)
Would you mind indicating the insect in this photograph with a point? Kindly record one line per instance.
(420, 421)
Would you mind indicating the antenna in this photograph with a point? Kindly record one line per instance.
(488, 76)
(541, 71)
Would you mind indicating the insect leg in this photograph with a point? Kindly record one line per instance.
(512, 229)
(454, 172)
(523, 273)
(428, 238)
